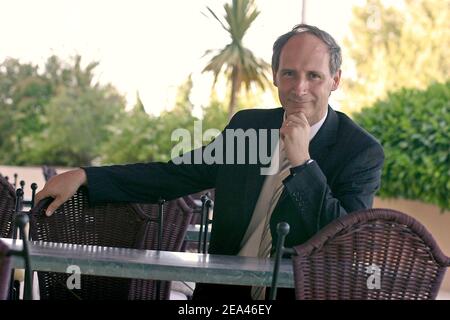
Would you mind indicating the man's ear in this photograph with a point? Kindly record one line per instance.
(336, 80)
(274, 77)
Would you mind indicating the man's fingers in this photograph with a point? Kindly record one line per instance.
(53, 206)
(298, 118)
(303, 117)
(39, 196)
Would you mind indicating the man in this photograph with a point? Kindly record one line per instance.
(329, 165)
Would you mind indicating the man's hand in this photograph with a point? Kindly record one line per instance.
(61, 187)
(295, 133)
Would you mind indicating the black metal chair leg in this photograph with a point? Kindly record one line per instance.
(160, 236)
(282, 231)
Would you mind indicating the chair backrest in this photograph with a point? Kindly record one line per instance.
(370, 254)
(113, 225)
(176, 218)
(196, 197)
(5, 271)
(195, 205)
(7, 207)
(77, 222)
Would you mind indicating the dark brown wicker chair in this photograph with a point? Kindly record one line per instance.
(6, 263)
(113, 225)
(7, 207)
(373, 254)
(190, 201)
(5, 271)
(191, 246)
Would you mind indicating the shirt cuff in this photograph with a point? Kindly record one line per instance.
(297, 169)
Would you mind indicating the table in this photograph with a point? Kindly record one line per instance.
(156, 265)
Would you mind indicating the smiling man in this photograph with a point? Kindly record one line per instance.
(329, 166)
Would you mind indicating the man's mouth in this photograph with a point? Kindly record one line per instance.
(299, 101)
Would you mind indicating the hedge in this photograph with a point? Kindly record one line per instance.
(414, 128)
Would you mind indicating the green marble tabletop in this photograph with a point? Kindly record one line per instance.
(149, 264)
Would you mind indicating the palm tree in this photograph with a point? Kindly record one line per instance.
(238, 63)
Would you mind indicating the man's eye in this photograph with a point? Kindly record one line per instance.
(314, 76)
(288, 73)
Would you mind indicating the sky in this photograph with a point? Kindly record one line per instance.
(149, 46)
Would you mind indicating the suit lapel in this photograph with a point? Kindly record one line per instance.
(325, 137)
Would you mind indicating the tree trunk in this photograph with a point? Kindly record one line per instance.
(235, 87)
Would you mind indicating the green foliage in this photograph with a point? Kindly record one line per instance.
(23, 95)
(60, 117)
(131, 139)
(55, 117)
(414, 128)
(395, 47)
(76, 123)
(140, 137)
(215, 115)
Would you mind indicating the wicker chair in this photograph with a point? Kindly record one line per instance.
(5, 271)
(373, 254)
(113, 225)
(6, 263)
(10, 206)
(7, 207)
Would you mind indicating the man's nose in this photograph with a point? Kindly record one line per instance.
(301, 86)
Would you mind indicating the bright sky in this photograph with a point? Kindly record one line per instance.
(150, 46)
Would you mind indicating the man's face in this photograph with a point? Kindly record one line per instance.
(303, 78)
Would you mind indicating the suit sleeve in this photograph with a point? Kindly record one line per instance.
(147, 182)
(354, 189)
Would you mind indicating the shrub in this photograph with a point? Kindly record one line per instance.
(413, 127)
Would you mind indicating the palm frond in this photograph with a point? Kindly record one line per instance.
(251, 71)
(217, 18)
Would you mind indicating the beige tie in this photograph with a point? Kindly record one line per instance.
(258, 293)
